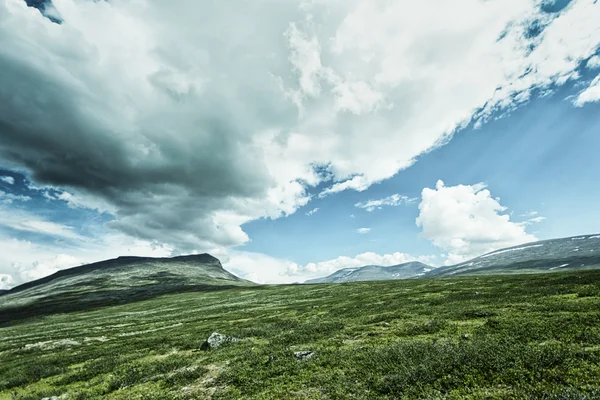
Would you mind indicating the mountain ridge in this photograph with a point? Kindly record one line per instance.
(365, 273)
(107, 264)
(568, 253)
(533, 257)
(116, 281)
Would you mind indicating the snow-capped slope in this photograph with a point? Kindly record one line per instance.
(572, 253)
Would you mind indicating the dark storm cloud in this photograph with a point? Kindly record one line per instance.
(167, 165)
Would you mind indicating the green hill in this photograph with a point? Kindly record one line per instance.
(116, 281)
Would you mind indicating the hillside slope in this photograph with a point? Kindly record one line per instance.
(565, 254)
(485, 337)
(375, 273)
(119, 280)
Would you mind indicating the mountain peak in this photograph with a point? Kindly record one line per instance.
(201, 258)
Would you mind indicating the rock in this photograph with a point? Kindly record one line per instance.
(304, 355)
(465, 336)
(217, 339)
(384, 324)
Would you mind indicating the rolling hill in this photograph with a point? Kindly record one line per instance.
(565, 254)
(116, 281)
(375, 273)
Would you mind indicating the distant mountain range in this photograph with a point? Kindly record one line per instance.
(375, 273)
(565, 254)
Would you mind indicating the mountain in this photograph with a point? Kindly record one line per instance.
(566, 254)
(375, 273)
(116, 281)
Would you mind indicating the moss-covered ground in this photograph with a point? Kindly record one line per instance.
(498, 337)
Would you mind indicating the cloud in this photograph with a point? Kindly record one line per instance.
(24, 260)
(593, 62)
(196, 137)
(24, 221)
(529, 214)
(6, 281)
(590, 94)
(77, 201)
(534, 220)
(8, 179)
(393, 200)
(328, 267)
(363, 231)
(311, 212)
(465, 221)
(8, 198)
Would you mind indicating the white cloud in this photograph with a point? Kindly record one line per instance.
(253, 95)
(465, 221)
(534, 220)
(24, 260)
(393, 200)
(593, 62)
(6, 281)
(530, 214)
(590, 94)
(362, 231)
(8, 179)
(24, 221)
(258, 267)
(311, 212)
(8, 198)
(48, 266)
(328, 267)
(261, 268)
(77, 200)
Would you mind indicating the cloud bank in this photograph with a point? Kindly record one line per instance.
(189, 121)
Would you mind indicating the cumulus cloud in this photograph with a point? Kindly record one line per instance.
(7, 179)
(465, 221)
(393, 200)
(262, 268)
(190, 121)
(593, 62)
(590, 94)
(363, 231)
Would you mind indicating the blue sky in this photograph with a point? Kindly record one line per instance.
(260, 146)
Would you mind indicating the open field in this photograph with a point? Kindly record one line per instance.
(497, 337)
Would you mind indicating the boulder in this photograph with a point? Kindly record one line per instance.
(304, 355)
(217, 339)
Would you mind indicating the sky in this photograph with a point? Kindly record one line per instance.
(294, 138)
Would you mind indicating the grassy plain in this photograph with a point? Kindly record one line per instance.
(496, 337)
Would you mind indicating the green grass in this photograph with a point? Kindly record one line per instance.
(500, 337)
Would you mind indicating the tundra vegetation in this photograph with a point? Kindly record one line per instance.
(479, 337)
